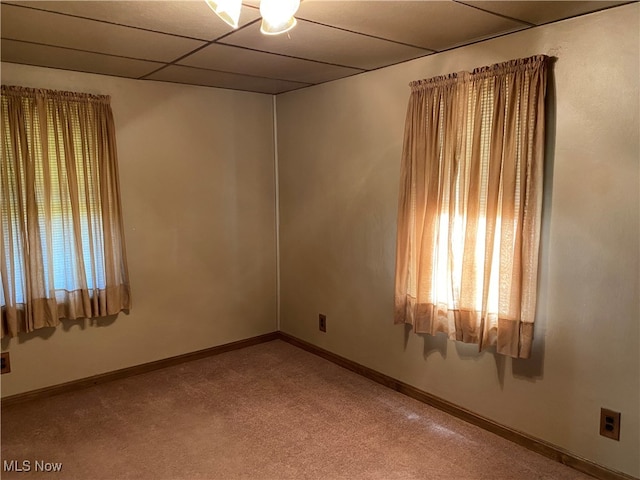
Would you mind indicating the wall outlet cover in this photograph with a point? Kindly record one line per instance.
(610, 424)
(5, 361)
(322, 322)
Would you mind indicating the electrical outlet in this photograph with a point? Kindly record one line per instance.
(610, 424)
(322, 322)
(5, 363)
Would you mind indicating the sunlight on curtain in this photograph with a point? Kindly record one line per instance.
(470, 205)
(61, 238)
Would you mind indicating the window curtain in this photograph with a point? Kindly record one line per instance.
(470, 205)
(62, 252)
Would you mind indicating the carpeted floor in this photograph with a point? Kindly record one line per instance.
(271, 411)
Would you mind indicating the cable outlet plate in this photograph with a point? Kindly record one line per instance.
(5, 362)
(322, 323)
(610, 424)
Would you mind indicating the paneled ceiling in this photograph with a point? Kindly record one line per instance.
(185, 42)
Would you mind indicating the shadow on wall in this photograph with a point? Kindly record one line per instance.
(531, 368)
(47, 332)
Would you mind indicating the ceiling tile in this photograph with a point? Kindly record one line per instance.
(251, 62)
(533, 11)
(318, 42)
(19, 23)
(66, 59)
(426, 24)
(197, 76)
(187, 18)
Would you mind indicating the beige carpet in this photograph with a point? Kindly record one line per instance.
(271, 411)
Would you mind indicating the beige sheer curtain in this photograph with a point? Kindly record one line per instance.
(62, 251)
(470, 205)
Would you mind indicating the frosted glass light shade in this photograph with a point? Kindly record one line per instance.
(268, 29)
(278, 16)
(227, 10)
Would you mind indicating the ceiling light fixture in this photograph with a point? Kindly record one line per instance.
(227, 10)
(277, 15)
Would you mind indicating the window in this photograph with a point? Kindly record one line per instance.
(62, 249)
(470, 205)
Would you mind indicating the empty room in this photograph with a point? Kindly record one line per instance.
(327, 239)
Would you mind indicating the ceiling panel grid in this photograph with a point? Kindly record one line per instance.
(185, 42)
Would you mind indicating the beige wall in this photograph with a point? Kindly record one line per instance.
(197, 182)
(339, 148)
